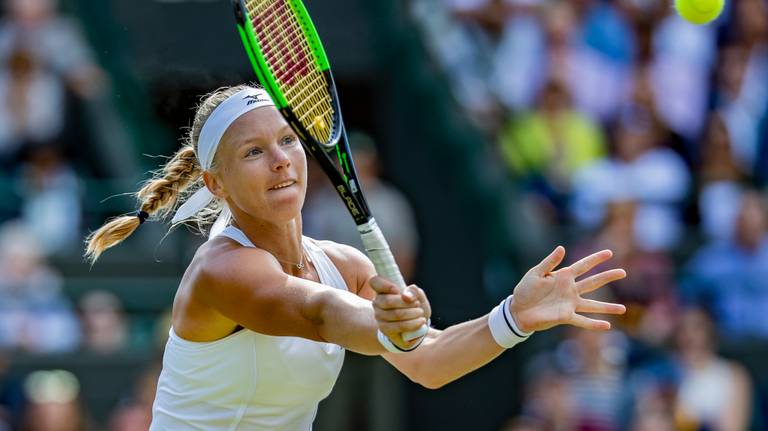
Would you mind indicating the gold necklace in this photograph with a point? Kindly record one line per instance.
(300, 266)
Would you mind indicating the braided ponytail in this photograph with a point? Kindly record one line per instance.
(164, 191)
(158, 197)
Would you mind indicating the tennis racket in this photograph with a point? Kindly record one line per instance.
(291, 64)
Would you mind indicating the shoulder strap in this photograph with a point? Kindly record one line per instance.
(329, 274)
(237, 235)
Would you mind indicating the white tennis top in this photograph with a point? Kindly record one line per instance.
(248, 381)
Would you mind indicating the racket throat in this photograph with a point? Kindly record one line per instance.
(359, 212)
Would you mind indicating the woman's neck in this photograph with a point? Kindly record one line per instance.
(282, 240)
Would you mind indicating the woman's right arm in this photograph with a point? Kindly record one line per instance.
(249, 287)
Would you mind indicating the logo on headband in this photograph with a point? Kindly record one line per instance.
(255, 98)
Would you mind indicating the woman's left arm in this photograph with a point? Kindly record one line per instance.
(544, 298)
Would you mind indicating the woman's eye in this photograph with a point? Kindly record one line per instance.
(288, 140)
(253, 152)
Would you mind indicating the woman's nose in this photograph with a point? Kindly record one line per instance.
(280, 160)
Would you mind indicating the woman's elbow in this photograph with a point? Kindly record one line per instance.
(433, 384)
(429, 380)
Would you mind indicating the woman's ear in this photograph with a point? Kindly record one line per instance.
(214, 184)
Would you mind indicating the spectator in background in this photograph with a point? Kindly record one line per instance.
(640, 170)
(650, 293)
(32, 106)
(45, 54)
(720, 179)
(751, 21)
(580, 386)
(34, 315)
(713, 393)
(545, 147)
(55, 41)
(105, 329)
(692, 388)
(60, 50)
(751, 31)
(594, 366)
(135, 412)
(547, 401)
(454, 34)
(591, 47)
(732, 96)
(326, 217)
(742, 92)
(654, 412)
(679, 64)
(488, 15)
(731, 277)
(654, 421)
(53, 402)
(520, 56)
(49, 187)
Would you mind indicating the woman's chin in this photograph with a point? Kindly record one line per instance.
(287, 206)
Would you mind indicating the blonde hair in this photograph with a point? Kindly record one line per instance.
(169, 186)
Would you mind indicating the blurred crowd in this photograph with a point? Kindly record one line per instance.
(49, 76)
(625, 127)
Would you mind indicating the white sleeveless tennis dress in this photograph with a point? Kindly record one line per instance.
(248, 381)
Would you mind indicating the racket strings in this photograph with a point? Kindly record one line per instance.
(292, 63)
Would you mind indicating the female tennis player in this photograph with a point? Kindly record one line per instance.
(263, 315)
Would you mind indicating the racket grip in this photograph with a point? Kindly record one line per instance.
(378, 251)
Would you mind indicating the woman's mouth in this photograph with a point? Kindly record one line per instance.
(283, 185)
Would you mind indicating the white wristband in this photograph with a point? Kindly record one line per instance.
(391, 347)
(503, 327)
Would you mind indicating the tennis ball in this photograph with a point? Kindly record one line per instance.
(699, 11)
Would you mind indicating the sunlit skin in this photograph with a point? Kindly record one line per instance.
(260, 171)
(228, 286)
(258, 152)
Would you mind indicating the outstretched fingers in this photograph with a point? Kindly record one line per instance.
(586, 264)
(597, 281)
(587, 323)
(592, 306)
(550, 262)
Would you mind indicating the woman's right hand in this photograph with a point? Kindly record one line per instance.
(399, 312)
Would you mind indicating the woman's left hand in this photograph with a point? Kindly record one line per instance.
(399, 311)
(546, 297)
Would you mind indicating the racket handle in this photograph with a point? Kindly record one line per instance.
(378, 251)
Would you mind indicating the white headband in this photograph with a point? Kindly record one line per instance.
(214, 128)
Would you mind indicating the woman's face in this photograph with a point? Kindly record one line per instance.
(260, 167)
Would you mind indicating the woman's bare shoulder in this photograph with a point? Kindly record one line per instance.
(222, 260)
(221, 272)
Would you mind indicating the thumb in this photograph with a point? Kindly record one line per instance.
(409, 294)
(381, 285)
(550, 262)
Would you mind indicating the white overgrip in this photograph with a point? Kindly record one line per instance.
(378, 251)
